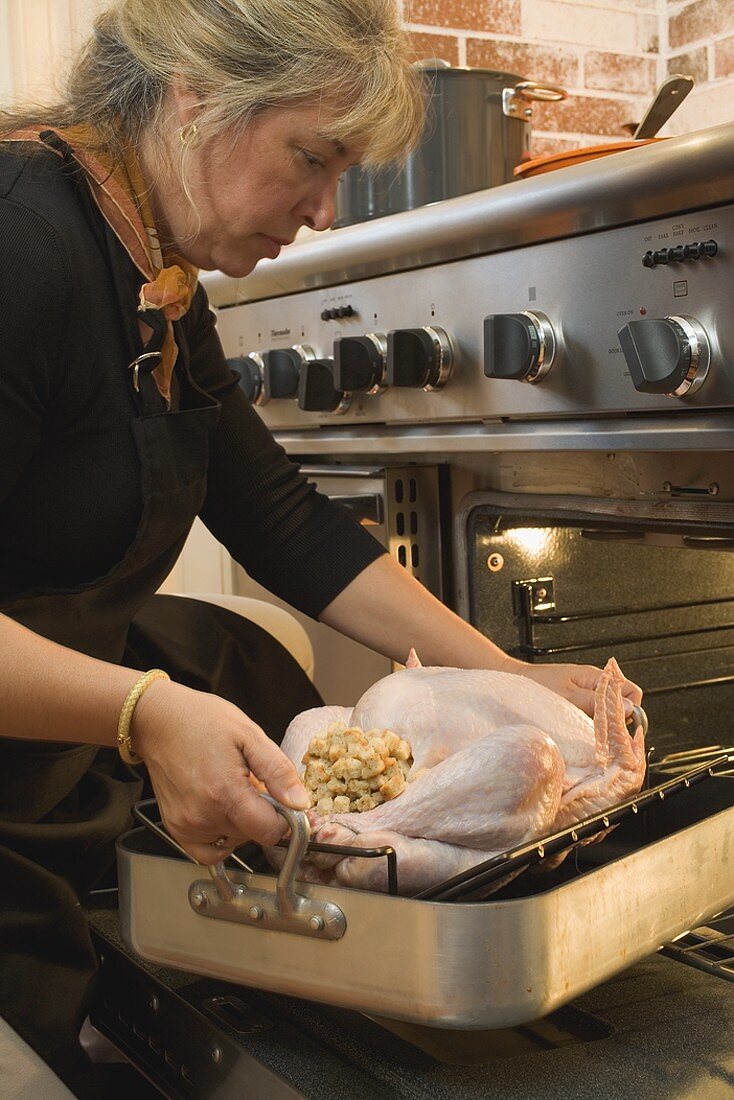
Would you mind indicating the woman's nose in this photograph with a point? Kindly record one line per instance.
(318, 210)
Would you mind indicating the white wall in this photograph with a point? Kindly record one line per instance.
(38, 39)
(6, 71)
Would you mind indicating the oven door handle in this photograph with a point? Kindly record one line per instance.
(341, 471)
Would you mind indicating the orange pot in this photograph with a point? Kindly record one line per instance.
(539, 165)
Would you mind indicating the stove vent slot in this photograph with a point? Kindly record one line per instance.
(413, 523)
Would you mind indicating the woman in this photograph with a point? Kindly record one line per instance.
(195, 134)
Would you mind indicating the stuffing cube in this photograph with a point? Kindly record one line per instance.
(347, 767)
(392, 787)
(391, 741)
(316, 773)
(373, 765)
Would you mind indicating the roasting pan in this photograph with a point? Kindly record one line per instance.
(544, 940)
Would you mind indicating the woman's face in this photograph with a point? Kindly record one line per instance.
(252, 193)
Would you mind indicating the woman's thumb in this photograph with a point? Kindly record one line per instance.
(272, 767)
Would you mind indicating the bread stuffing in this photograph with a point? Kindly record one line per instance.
(349, 770)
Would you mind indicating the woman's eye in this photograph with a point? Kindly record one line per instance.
(312, 160)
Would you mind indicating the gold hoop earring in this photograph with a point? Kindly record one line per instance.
(187, 132)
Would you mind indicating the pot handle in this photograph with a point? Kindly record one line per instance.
(432, 63)
(516, 101)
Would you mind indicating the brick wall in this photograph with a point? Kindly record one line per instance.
(609, 55)
(700, 40)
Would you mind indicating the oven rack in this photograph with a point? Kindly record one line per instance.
(709, 948)
(478, 881)
(533, 615)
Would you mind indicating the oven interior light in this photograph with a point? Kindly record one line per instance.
(529, 540)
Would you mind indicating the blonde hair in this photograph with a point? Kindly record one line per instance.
(240, 57)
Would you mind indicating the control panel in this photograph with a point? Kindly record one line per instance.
(631, 319)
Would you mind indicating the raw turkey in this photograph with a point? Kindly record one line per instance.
(498, 761)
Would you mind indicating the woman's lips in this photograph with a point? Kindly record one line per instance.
(272, 246)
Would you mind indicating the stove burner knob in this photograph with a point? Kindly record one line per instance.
(316, 389)
(281, 372)
(419, 357)
(251, 369)
(669, 355)
(359, 363)
(519, 346)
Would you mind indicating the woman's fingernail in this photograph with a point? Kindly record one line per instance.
(298, 798)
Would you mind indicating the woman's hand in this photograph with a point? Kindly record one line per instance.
(576, 683)
(204, 758)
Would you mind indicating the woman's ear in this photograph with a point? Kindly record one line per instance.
(185, 104)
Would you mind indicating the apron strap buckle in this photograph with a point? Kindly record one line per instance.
(146, 357)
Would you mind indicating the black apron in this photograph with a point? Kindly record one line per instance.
(62, 806)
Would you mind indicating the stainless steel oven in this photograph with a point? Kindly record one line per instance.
(565, 345)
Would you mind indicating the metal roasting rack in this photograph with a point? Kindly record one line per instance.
(477, 882)
(473, 884)
(383, 852)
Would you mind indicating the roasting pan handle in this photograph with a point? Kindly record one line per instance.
(285, 888)
(284, 910)
(638, 718)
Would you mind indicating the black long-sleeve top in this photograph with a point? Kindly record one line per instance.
(69, 473)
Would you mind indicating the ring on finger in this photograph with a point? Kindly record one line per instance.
(221, 842)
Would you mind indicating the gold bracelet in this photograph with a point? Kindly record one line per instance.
(124, 746)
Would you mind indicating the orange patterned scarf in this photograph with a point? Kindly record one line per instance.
(123, 199)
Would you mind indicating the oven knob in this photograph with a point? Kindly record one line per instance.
(359, 363)
(669, 355)
(282, 368)
(316, 389)
(419, 357)
(519, 346)
(251, 369)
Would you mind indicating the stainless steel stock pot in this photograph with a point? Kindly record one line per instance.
(477, 130)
